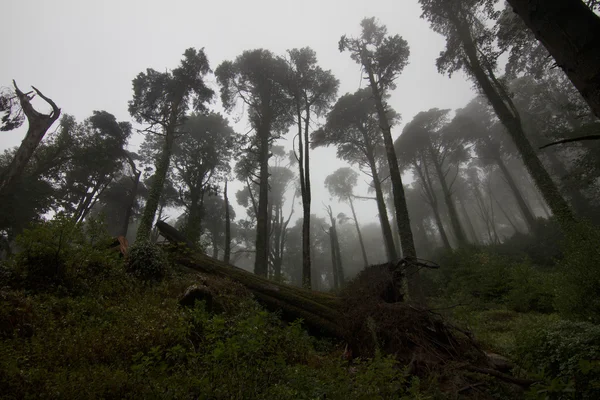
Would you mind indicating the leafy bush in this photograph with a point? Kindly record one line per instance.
(562, 352)
(147, 261)
(578, 288)
(60, 254)
(486, 279)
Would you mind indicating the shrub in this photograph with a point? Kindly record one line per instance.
(60, 254)
(578, 288)
(563, 352)
(146, 261)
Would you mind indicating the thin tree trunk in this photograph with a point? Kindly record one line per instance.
(261, 259)
(304, 165)
(426, 182)
(338, 257)
(508, 115)
(381, 208)
(459, 233)
(474, 236)
(503, 211)
(523, 207)
(334, 268)
(402, 217)
(360, 238)
(569, 30)
(227, 255)
(38, 126)
(160, 176)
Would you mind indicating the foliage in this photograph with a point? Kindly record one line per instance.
(128, 340)
(565, 354)
(578, 294)
(61, 255)
(146, 261)
(486, 279)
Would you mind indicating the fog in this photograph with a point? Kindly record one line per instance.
(466, 180)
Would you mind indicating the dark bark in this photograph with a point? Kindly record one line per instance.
(160, 176)
(459, 232)
(132, 196)
(227, 253)
(569, 30)
(304, 167)
(402, 217)
(262, 218)
(38, 126)
(386, 229)
(360, 238)
(338, 257)
(509, 116)
(334, 269)
(433, 203)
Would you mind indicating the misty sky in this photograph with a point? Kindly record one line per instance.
(84, 54)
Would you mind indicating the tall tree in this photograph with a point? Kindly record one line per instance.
(476, 123)
(227, 250)
(353, 127)
(427, 135)
(14, 116)
(312, 90)
(569, 31)
(256, 78)
(162, 100)
(336, 255)
(200, 161)
(470, 45)
(341, 184)
(382, 58)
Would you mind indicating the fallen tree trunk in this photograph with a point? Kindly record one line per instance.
(369, 314)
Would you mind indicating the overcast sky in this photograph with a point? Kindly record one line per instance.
(84, 54)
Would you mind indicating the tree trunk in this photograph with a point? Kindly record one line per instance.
(338, 257)
(459, 233)
(160, 175)
(426, 182)
(474, 236)
(261, 259)
(569, 30)
(38, 126)
(131, 203)
(360, 238)
(523, 207)
(304, 167)
(334, 269)
(192, 227)
(402, 217)
(227, 254)
(510, 118)
(578, 201)
(386, 229)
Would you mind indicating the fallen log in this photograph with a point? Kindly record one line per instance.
(369, 314)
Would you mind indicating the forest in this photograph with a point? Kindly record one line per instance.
(254, 229)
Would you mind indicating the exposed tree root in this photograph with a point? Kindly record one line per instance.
(369, 315)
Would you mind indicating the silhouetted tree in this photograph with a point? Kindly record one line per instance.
(382, 58)
(353, 128)
(341, 184)
(162, 100)
(470, 46)
(312, 90)
(256, 78)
